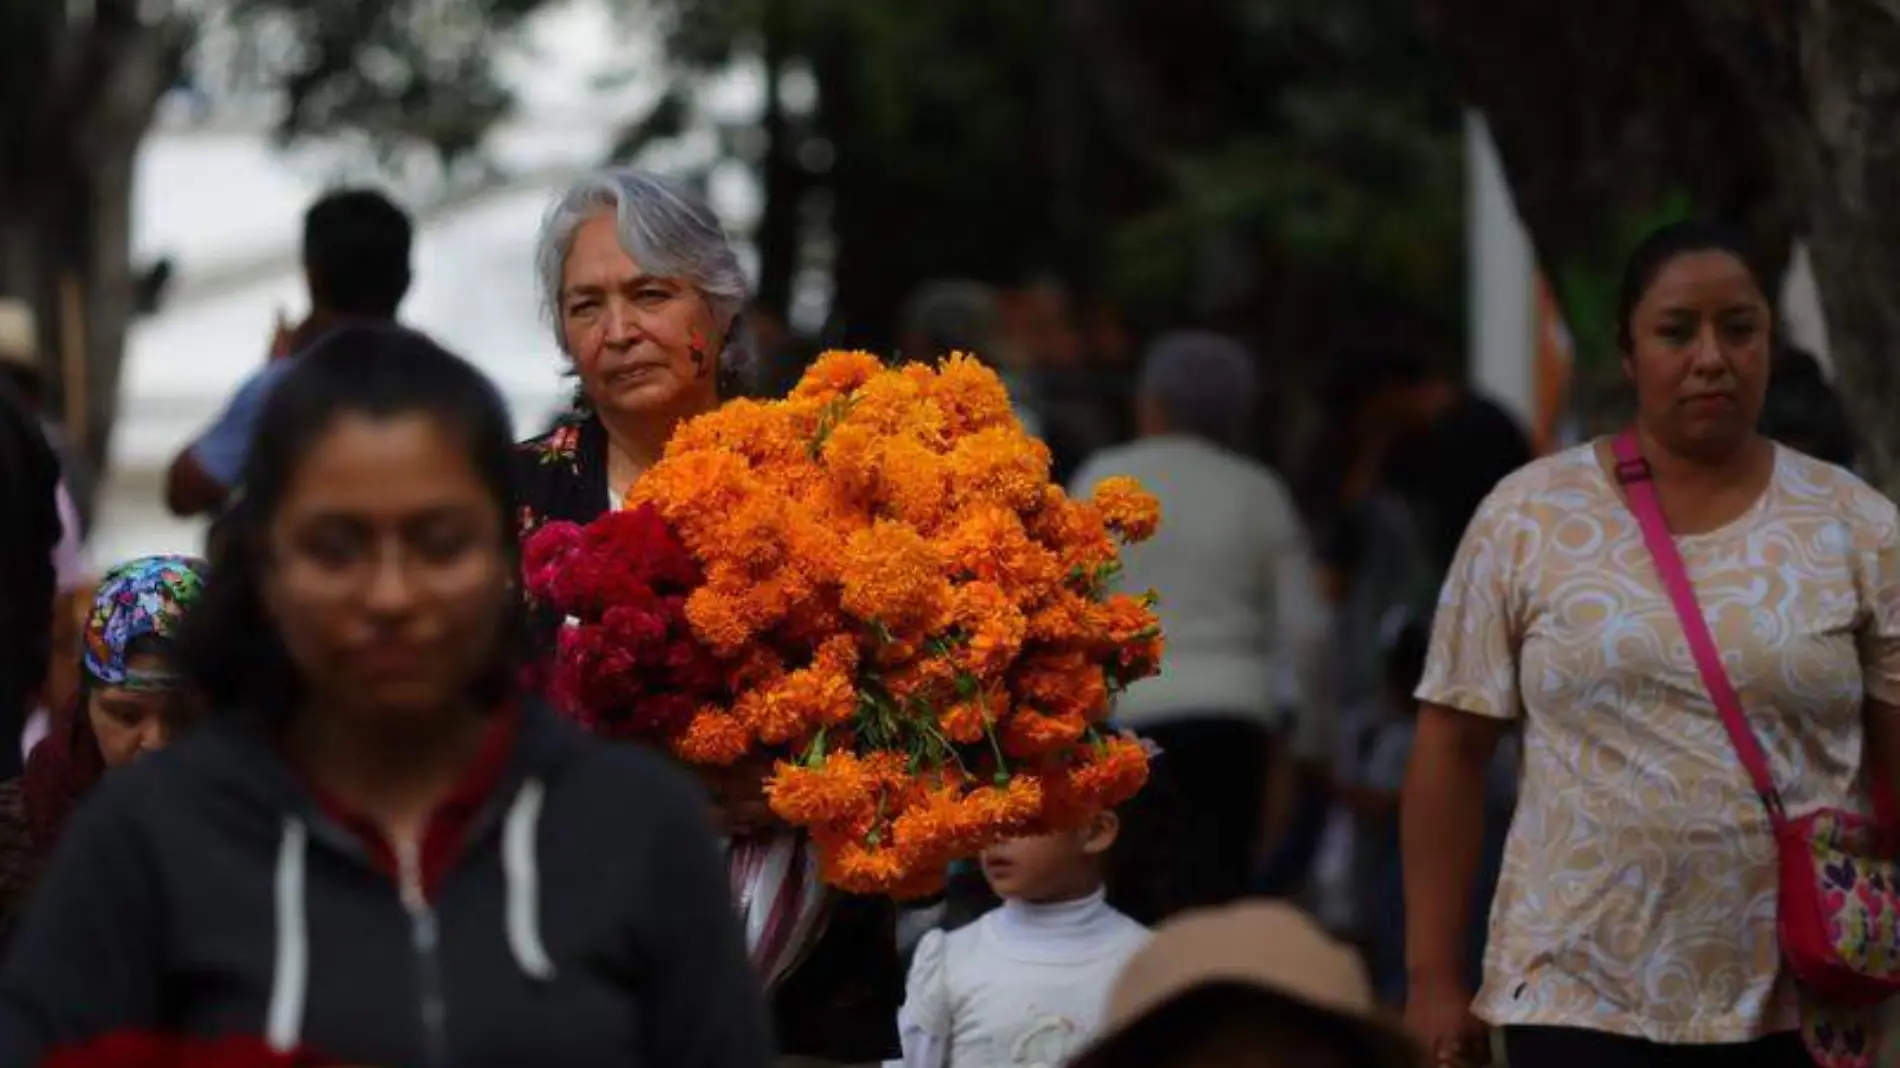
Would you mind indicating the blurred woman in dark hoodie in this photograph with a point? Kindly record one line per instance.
(372, 849)
(131, 697)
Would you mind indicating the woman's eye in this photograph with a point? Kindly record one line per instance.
(442, 545)
(582, 307)
(1677, 333)
(333, 550)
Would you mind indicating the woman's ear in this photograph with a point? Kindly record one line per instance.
(1102, 831)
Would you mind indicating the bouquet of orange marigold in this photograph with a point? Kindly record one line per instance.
(914, 621)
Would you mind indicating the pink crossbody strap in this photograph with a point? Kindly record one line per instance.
(1634, 473)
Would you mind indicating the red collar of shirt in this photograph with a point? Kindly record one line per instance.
(446, 832)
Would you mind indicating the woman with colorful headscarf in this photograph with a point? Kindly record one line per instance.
(130, 700)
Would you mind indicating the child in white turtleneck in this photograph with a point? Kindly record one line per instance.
(1025, 985)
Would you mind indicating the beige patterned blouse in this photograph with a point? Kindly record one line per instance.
(1638, 891)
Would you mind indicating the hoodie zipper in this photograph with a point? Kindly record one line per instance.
(424, 938)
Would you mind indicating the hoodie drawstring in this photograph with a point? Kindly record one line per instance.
(523, 873)
(290, 980)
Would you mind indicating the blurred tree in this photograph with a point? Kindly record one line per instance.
(1199, 161)
(1775, 115)
(79, 84)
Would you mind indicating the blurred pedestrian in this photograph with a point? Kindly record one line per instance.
(1803, 411)
(132, 697)
(29, 499)
(356, 247)
(373, 847)
(1445, 444)
(23, 364)
(1238, 601)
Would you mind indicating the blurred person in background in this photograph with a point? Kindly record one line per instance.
(373, 847)
(1445, 444)
(131, 697)
(356, 265)
(645, 295)
(955, 315)
(1254, 985)
(1238, 601)
(23, 364)
(1080, 409)
(1803, 411)
(29, 535)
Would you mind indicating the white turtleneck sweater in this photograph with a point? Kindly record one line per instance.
(1023, 987)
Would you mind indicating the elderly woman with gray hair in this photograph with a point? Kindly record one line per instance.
(1238, 600)
(645, 294)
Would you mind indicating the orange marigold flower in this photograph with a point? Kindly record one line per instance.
(966, 722)
(999, 466)
(989, 542)
(1029, 734)
(993, 813)
(892, 575)
(993, 628)
(925, 679)
(1132, 632)
(1066, 618)
(858, 868)
(713, 737)
(1113, 774)
(836, 373)
(973, 397)
(1127, 508)
(1069, 686)
(898, 406)
(720, 618)
(836, 792)
(911, 484)
(756, 430)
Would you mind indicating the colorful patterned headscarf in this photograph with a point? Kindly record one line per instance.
(145, 596)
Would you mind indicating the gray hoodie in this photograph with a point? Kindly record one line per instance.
(586, 919)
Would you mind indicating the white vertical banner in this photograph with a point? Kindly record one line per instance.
(1503, 302)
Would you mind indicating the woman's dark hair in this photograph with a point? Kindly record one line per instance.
(231, 647)
(1663, 247)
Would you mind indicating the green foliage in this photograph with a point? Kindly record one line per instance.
(401, 72)
(1587, 286)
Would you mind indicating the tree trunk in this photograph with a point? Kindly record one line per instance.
(1824, 82)
(780, 226)
(81, 98)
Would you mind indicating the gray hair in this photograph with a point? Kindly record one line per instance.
(663, 225)
(1204, 383)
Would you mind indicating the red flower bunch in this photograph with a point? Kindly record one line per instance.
(627, 664)
(129, 1050)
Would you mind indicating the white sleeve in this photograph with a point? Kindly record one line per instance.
(924, 1023)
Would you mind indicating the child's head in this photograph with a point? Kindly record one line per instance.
(1405, 663)
(1053, 867)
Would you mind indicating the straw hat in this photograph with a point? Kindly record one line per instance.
(1269, 946)
(19, 336)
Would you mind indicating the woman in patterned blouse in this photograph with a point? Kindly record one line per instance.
(1634, 923)
(645, 294)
